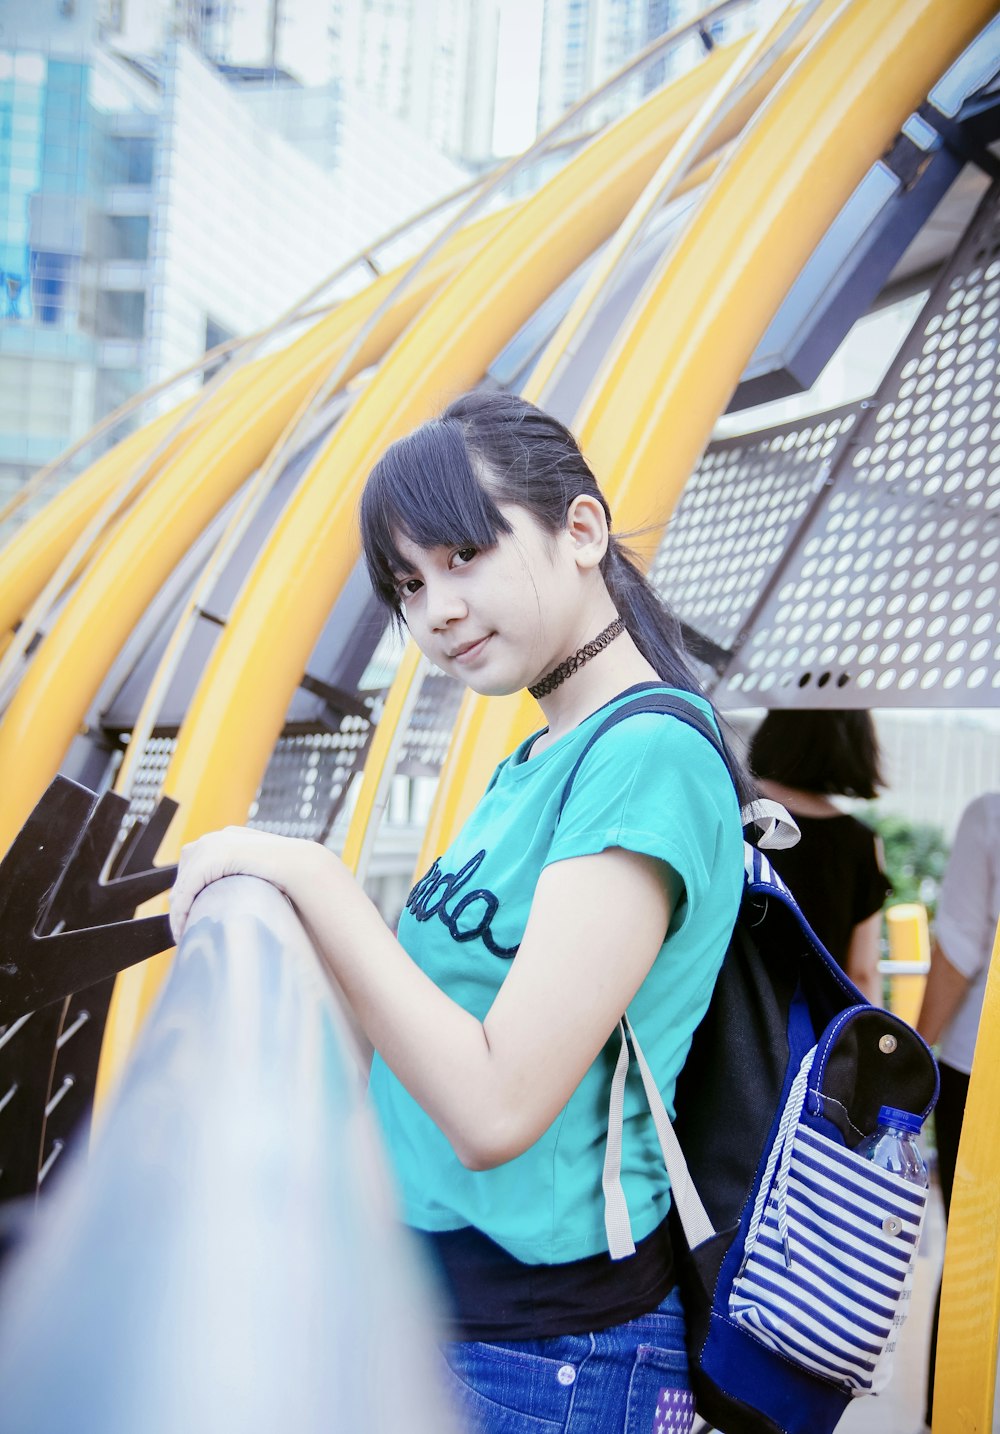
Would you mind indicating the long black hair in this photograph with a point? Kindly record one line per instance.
(444, 483)
(831, 752)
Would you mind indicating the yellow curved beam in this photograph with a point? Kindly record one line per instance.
(663, 186)
(69, 665)
(133, 463)
(965, 1373)
(676, 361)
(33, 552)
(307, 560)
(675, 175)
(380, 763)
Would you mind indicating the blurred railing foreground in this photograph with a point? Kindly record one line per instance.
(229, 1257)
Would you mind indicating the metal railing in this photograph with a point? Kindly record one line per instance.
(229, 1258)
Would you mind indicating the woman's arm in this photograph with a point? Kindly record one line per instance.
(965, 923)
(493, 1086)
(943, 994)
(862, 958)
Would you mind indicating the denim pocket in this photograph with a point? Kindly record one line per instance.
(659, 1393)
(505, 1390)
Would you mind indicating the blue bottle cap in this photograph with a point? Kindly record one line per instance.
(889, 1115)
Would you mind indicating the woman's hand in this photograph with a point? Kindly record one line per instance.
(286, 862)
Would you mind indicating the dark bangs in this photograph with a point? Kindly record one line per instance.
(424, 486)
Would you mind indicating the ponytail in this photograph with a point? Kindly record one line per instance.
(658, 636)
(651, 626)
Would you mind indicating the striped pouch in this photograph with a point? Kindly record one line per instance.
(826, 1272)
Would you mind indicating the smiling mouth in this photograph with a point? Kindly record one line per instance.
(469, 650)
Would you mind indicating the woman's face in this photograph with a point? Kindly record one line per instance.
(497, 618)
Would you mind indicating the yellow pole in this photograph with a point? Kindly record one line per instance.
(965, 1373)
(658, 192)
(909, 942)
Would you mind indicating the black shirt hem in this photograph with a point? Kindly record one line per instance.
(493, 1296)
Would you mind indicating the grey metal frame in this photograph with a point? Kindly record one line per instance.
(889, 593)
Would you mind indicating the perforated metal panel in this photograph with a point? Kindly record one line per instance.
(426, 741)
(888, 594)
(147, 781)
(303, 788)
(739, 511)
(307, 778)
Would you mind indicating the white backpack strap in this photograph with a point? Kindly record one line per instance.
(616, 1221)
(693, 1215)
(778, 1163)
(780, 831)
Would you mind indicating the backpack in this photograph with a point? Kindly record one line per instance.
(793, 1254)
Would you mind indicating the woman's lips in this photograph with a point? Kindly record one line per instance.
(471, 650)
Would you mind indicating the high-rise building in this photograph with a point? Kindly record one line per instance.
(664, 15)
(584, 41)
(288, 35)
(430, 63)
(153, 203)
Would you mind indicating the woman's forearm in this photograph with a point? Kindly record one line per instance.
(436, 1049)
(862, 958)
(945, 990)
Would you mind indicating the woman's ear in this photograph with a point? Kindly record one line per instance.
(587, 529)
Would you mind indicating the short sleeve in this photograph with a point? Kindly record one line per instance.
(965, 919)
(651, 785)
(873, 885)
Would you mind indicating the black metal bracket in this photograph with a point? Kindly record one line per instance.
(971, 133)
(63, 925)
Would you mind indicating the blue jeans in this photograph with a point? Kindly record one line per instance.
(630, 1379)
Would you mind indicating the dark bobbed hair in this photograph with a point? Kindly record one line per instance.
(444, 483)
(831, 752)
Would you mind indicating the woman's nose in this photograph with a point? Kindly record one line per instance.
(444, 605)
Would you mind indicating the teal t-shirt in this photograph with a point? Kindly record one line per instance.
(651, 785)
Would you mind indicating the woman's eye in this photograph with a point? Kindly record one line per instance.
(465, 555)
(408, 587)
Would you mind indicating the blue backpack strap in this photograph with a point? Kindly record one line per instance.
(668, 703)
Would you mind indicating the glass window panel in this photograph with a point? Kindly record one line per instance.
(59, 157)
(60, 182)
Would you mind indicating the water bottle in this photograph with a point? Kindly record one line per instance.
(893, 1146)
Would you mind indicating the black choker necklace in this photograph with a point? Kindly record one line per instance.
(572, 664)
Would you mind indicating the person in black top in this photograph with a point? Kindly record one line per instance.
(802, 759)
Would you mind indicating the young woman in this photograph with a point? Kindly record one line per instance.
(801, 759)
(494, 1014)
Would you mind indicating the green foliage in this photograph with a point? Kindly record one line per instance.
(915, 856)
